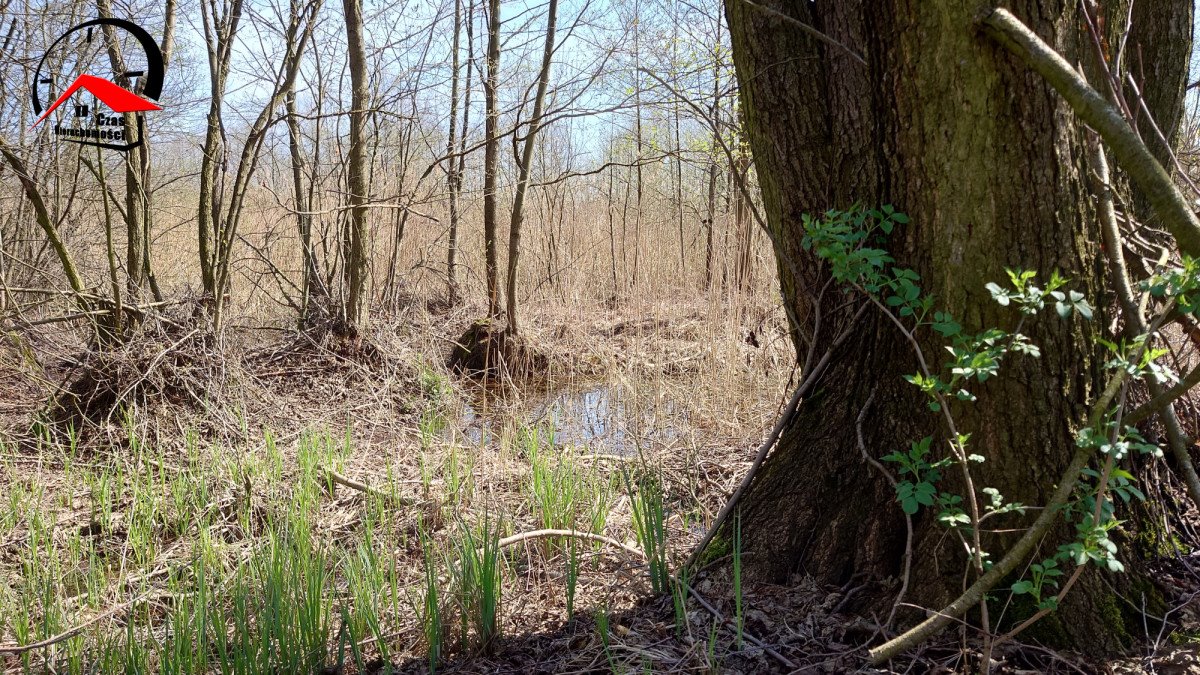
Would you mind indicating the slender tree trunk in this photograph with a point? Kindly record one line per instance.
(135, 231)
(625, 276)
(452, 172)
(355, 255)
(311, 279)
(714, 115)
(990, 165)
(114, 326)
(146, 165)
(637, 107)
(743, 226)
(491, 157)
(678, 147)
(518, 207)
(220, 30)
(461, 160)
(612, 215)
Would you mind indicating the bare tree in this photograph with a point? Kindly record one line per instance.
(221, 210)
(491, 157)
(221, 20)
(137, 166)
(535, 122)
(355, 246)
(452, 175)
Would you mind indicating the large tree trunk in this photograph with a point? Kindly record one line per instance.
(990, 165)
(1158, 54)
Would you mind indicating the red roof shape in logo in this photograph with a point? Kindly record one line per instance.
(121, 100)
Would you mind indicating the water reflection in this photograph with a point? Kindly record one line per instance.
(603, 418)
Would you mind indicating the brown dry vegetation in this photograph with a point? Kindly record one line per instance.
(680, 387)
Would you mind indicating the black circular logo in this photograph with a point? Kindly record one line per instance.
(84, 60)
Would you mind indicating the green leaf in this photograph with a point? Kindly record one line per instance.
(998, 294)
(924, 493)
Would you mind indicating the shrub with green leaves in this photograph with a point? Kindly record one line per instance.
(851, 242)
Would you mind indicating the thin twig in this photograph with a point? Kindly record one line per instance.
(809, 381)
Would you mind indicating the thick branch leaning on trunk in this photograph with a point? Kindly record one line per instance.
(1127, 147)
(1168, 203)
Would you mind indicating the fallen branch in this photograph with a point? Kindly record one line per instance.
(364, 488)
(591, 536)
(603, 457)
(67, 635)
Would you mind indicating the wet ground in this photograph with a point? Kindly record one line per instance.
(602, 417)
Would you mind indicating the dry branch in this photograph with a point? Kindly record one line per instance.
(541, 534)
(68, 634)
(364, 488)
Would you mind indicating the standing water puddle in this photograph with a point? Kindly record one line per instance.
(602, 418)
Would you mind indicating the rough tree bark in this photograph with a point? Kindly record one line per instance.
(1159, 51)
(990, 164)
(1158, 54)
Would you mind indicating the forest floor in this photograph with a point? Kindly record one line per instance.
(335, 506)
